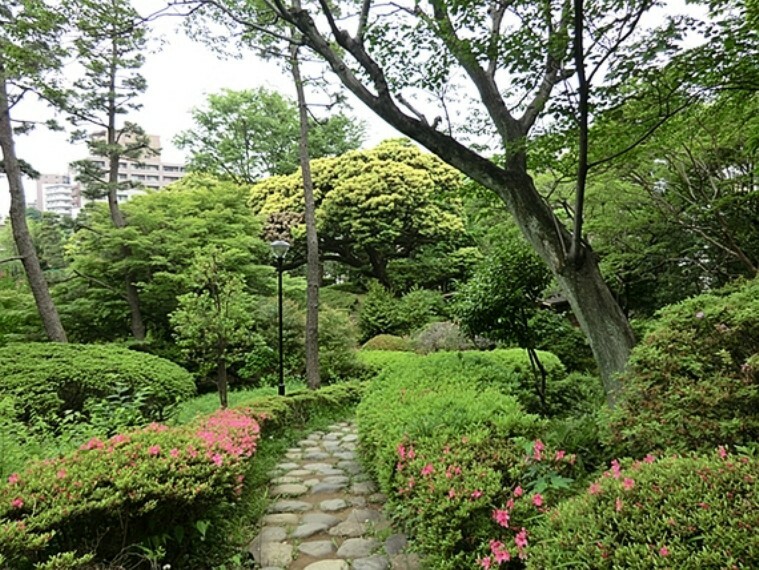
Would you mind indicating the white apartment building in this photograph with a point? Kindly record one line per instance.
(60, 199)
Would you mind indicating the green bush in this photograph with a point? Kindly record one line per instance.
(447, 443)
(556, 333)
(441, 335)
(49, 379)
(693, 381)
(382, 313)
(676, 512)
(388, 342)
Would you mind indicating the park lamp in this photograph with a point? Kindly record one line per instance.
(279, 249)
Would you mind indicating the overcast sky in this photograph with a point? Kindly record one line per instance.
(179, 77)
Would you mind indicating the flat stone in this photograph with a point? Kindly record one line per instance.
(332, 505)
(311, 482)
(406, 562)
(336, 479)
(348, 528)
(290, 490)
(349, 466)
(317, 548)
(395, 544)
(287, 466)
(346, 455)
(321, 518)
(332, 436)
(363, 488)
(274, 473)
(317, 467)
(294, 450)
(331, 445)
(361, 477)
(357, 501)
(377, 498)
(316, 436)
(294, 456)
(267, 534)
(350, 446)
(331, 472)
(350, 437)
(371, 563)
(315, 455)
(274, 554)
(328, 565)
(365, 515)
(281, 518)
(290, 507)
(308, 443)
(285, 480)
(298, 473)
(357, 548)
(308, 529)
(328, 487)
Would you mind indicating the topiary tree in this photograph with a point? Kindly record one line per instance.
(693, 382)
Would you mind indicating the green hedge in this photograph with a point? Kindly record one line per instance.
(451, 448)
(155, 482)
(693, 381)
(388, 342)
(676, 512)
(48, 379)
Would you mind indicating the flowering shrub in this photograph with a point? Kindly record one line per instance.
(675, 512)
(693, 382)
(117, 491)
(49, 379)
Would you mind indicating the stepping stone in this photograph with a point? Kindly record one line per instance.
(328, 565)
(406, 562)
(294, 450)
(315, 455)
(311, 482)
(347, 455)
(336, 479)
(308, 443)
(298, 473)
(349, 528)
(363, 488)
(321, 518)
(267, 534)
(316, 436)
(349, 466)
(308, 529)
(333, 505)
(274, 554)
(365, 515)
(290, 507)
(350, 446)
(331, 445)
(395, 544)
(287, 466)
(357, 501)
(285, 480)
(317, 548)
(377, 498)
(291, 490)
(331, 437)
(328, 487)
(361, 477)
(371, 563)
(357, 548)
(294, 456)
(331, 472)
(350, 437)
(317, 467)
(281, 518)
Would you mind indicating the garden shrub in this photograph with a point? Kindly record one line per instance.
(49, 379)
(674, 512)
(447, 445)
(556, 333)
(382, 313)
(693, 382)
(387, 342)
(441, 335)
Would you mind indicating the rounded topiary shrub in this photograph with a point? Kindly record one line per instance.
(48, 379)
(693, 382)
(442, 335)
(387, 342)
(676, 512)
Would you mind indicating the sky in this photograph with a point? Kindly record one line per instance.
(179, 77)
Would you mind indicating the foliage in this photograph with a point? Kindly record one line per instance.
(442, 335)
(387, 342)
(382, 313)
(555, 333)
(156, 479)
(48, 380)
(693, 382)
(372, 206)
(246, 135)
(19, 319)
(673, 512)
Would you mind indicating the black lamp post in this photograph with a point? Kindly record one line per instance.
(279, 249)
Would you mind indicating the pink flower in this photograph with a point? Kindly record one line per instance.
(217, 459)
(628, 483)
(485, 562)
(451, 493)
(594, 489)
(427, 469)
(560, 454)
(495, 545)
(401, 451)
(616, 469)
(411, 454)
(618, 504)
(61, 474)
(537, 450)
(537, 500)
(518, 492)
(501, 517)
(17, 503)
(476, 494)
(722, 452)
(663, 551)
(521, 539)
(499, 551)
(154, 450)
(174, 452)
(649, 458)
(13, 478)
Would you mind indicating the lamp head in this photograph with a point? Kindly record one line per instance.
(279, 248)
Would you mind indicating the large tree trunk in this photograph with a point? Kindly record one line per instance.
(312, 241)
(45, 306)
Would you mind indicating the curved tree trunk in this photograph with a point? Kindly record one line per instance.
(34, 274)
(312, 240)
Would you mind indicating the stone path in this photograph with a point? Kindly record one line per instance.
(326, 514)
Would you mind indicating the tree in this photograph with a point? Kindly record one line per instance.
(213, 324)
(29, 35)
(110, 45)
(246, 135)
(374, 206)
(524, 62)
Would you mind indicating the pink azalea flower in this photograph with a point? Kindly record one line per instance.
(618, 504)
(451, 493)
(174, 452)
(217, 459)
(616, 469)
(560, 454)
(537, 450)
(427, 469)
(401, 451)
(501, 517)
(495, 545)
(649, 458)
(628, 483)
(722, 451)
(17, 503)
(13, 478)
(537, 500)
(510, 504)
(485, 562)
(502, 555)
(521, 539)
(518, 492)
(594, 489)
(663, 551)
(476, 494)
(154, 450)
(61, 474)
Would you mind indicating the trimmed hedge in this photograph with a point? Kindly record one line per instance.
(693, 382)
(48, 379)
(676, 512)
(144, 483)
(388, 342)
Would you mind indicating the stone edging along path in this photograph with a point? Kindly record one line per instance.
(326, 513)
